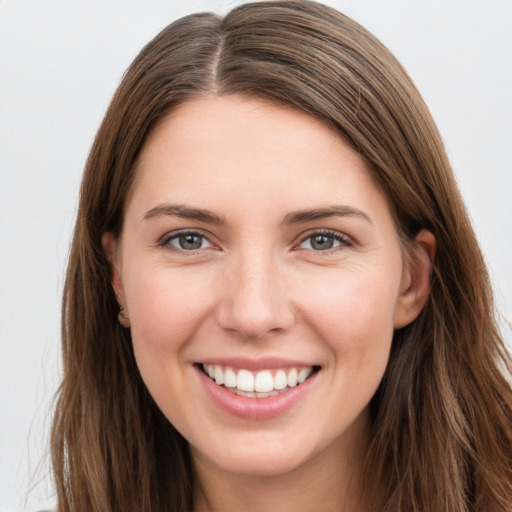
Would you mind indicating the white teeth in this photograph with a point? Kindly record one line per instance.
(255, 394)
(292, 378)
(303, 375)
(230, 378)
(264, 382)
(245, 393)
(280, 381)
(219, 375)
(259, 385)
(245, 381)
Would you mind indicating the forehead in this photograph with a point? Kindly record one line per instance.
(212, 149)
(240, 123)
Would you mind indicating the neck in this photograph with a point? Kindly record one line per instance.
(330, 478)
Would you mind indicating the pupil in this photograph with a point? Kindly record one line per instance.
(322, 242)
(190, 242)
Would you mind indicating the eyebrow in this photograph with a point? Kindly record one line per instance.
(323, 213)
(301, 216)
(185, 212)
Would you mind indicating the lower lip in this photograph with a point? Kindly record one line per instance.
(255, 408)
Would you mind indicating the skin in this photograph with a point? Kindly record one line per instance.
(257, 287)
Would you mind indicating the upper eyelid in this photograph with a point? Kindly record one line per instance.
(177, 232)
(329, 232)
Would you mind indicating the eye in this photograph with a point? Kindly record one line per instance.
(324, 241)
(187, 241)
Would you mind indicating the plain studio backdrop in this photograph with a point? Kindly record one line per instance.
(60, 63)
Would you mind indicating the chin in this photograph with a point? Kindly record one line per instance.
(257, 454)
(260, 464)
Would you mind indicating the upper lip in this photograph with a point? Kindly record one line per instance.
(264, 363)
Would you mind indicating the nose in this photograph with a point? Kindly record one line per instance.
(255, 300)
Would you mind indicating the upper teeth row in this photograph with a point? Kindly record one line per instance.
(261, 382)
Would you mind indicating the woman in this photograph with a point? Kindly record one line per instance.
(275, 299)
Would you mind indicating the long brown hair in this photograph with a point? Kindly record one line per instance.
(442, 416)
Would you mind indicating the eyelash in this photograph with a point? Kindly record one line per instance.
(343, 240)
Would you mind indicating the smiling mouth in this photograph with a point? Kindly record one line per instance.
(260, 384)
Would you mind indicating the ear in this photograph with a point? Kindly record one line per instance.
(111, 247)
(415, 285)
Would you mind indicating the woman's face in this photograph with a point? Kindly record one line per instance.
(256, 248)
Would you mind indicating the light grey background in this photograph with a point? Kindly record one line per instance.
(60, 62)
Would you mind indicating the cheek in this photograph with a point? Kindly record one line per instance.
(354, 316)
(352, 320)
(165, 306)
(167, 309)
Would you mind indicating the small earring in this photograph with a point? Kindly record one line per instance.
(123, 317)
